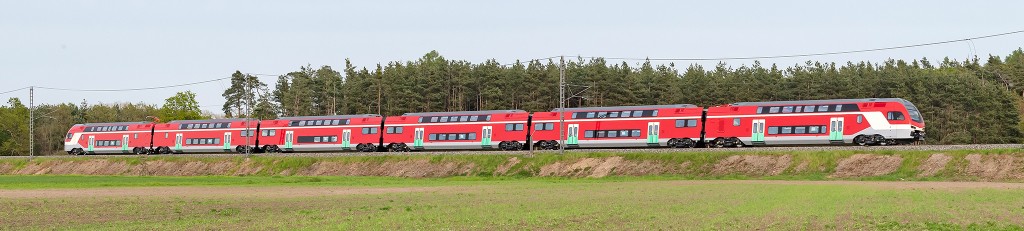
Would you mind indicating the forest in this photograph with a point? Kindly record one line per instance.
(964, 102)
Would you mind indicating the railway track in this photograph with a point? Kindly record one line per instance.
(645, 150)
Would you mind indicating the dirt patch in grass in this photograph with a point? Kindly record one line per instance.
(937, 185)
(934, 164)
(406, 168)
(861, 165)
(994, 167)
(610, 166)
(752, 165)
(6, 167)
(503, 168)
(802, 166)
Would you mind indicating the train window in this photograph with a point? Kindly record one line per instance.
(813, 130)
(453, 119)
(799, 130)
(519, 127)
(654, 112)
(635, 133)
(366, 130)
(838, 108)
(472, 136)
(773, 110)
(433, 136)
(488, 118)
(316, 139)
(601, 134)
(588, 134)
(798, 109)
(216, 140)
(373, 130)
(613, 134)
(442, 136)
(474, 118)
(444, 119)
(464, 118)
(590, 115)
(624, 114)
(135, 136)
(736, 122)
(808, 109)
(638, 113)
(166, 135)
(624, 133)
(335, 122)
(398, 130)
(575, 115)
(508, 127)
(823, 108)
(860, 118)
(391, 130)
(602, 114)
(691, 123)
(462, 136)
(895, 115)
(787, 109)
(760, 110)
(321, 122)
(773, 130)
(551, 126)
(787, 130)
(680, 123)
(613, 114)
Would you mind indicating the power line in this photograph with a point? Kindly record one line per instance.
(811, 54)
(1, 93)
(134, 89)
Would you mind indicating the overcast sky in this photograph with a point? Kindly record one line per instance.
(131, 44)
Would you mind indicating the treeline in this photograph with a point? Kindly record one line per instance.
(962, 101)
(972, 101)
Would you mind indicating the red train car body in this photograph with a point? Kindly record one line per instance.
(625, 126)
(498, 129)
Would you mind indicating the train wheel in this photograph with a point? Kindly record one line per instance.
(861, 140)
(516, 145)
(880, 140)
(673, 143)
(370, 147)
(403, 147)
(553, 145)
(687, 143)
(736, 142)
(718, 143)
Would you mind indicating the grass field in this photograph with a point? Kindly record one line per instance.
(465, 203)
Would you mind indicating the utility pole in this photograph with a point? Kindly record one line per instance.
(248, 101)
(561, 105)
(31, 122)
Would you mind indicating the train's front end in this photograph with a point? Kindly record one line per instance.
(916, 120)
(73, 140)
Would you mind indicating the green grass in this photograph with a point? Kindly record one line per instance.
(465, 203)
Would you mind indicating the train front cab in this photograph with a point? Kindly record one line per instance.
(463, 130)
(622, 126)
(841, 121)
(107, 138)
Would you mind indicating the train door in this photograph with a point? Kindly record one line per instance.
(227, 141)
(177, 142)
(346, 139)
(653, 130)
(573, 138)
(485, 137)
(124, 144)
(835, 134)
(417, 142)
(288, 139)
(757, 132)
(92, 143)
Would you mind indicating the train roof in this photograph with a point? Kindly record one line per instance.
(488, 112)
(613, 108)
(112, 123)
(328, 117)
(211, 120)
(823, 101)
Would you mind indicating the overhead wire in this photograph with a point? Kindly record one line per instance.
(133, 89)
(811, 54)
(1, 93)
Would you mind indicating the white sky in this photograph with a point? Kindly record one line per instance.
(130, 44)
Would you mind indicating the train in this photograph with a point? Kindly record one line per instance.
(866, 122)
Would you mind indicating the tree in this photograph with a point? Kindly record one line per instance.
(181, 106)
(242, 90)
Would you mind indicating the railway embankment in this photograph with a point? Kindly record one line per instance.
(944, 165)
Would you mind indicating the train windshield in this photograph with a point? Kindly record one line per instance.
(915, 114)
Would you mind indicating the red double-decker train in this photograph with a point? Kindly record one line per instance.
(872, 121)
